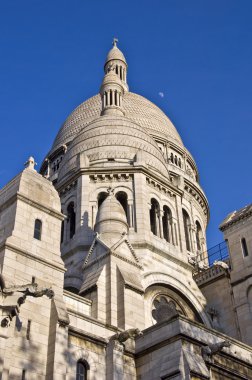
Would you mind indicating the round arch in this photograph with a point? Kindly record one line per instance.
(81, 355)
(155, 278)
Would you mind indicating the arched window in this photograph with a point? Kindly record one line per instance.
(101, 197)
(122, 197)
(186, 221)
(37, 229)
(81, 370)
(199, 236)
(166, 220)
(154, 216)
(244, 247)
(71, 219)
(171, 157)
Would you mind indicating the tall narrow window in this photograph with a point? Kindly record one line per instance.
(186, 221)
(244, 247)
(81, 371)
(166, 220)
(37, 229)
(28, 330)
(154, 216)
(122, 197)
(23, 374)
(71, 219)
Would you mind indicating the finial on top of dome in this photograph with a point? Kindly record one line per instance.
(115, 41)
(30, 163)
(110, 190)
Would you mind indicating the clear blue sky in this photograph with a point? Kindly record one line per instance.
(197, 52)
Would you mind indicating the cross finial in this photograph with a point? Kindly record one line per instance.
(115, 40)
(110, 190)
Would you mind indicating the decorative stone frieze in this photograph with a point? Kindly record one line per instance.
(118, 177)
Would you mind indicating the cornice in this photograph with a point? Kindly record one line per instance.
(39, 206)
(230, 223)
(22, 252)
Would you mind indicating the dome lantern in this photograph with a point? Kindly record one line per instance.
(114, 82)
(116, 59)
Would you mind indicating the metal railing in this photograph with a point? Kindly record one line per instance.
(219, 252)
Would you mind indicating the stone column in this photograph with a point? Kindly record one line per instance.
(93, 212)
(193, 231)
(160, 220)
(171, 230)
(130, 214)
(185, 159)
(117, 98)
(114, 361)
(181, 234)
(167, 147)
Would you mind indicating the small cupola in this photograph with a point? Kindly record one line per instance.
(114, 82)
(111, 219)
(116, 59)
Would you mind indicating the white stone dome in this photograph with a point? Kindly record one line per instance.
(115, 54)
(137, 109)
(114, 138)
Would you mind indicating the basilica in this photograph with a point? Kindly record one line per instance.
(103, 256)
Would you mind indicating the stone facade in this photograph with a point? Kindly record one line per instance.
(234, 287)
(101, 254)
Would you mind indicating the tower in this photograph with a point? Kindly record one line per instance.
(120, 140)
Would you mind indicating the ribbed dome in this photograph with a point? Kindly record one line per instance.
(137, 108)
(115, 53)
(111, 217)
(115, 138)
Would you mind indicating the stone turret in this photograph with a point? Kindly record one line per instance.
(116, 59)
(114, 82)
(111, 220)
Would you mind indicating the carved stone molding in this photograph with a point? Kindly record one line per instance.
(122, 177)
